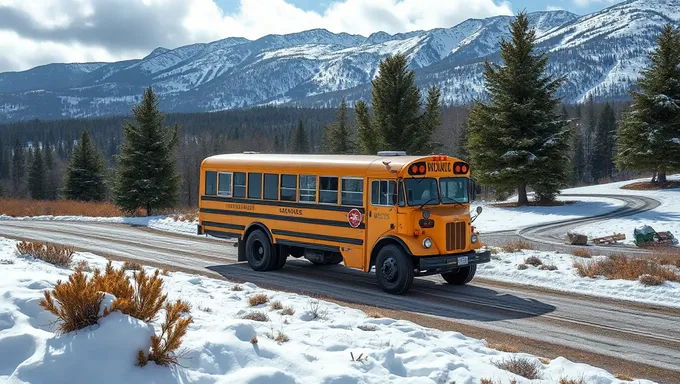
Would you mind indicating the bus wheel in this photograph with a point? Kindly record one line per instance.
(282, 257)
(460, 276)
(260, 253)
(394, 269)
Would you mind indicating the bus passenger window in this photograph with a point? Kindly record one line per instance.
(271, 186)
(383, 193)
(254, 185)
(328, 190)
(308, 189)
(352, 192)
(210, 182)
(288, 187)
(239, 184)
(224, 186)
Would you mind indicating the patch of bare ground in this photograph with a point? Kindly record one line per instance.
(649, 186)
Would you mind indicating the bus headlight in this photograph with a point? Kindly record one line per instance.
(473, 238)
(427, 243)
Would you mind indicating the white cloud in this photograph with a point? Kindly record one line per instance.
(587, 3)
(39, 32)
(554, 8)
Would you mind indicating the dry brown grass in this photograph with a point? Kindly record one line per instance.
(59, 255)
(485, 381)
(77, 302)
(516, 246)
(543, 360)
(623, 377)
(581, 252)
(25, 207)
(520, 366)
(650, 280)
(504, 348)
(565, 380)
(547, 267)
(255, 316)
(649, 186)
(236, 288)
(173, 329)
(132, 266)
(625, 268)
(667, 255)
(533, 260)
(281, 337)
(374, 314)
(253, 340)
(275, 306)
(258, 299)
(84, 266)
(288, 311)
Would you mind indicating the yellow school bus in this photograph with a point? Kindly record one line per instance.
(404, 215)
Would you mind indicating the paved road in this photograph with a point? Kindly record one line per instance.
(550, 236)
(638, 339)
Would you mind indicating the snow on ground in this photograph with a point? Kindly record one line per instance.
(666, 217)
(495, 218)
(218, 348)
(503, 267)
(162, 223)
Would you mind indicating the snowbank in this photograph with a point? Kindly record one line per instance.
(504, 268)
(218, 346)
(666, 217)
(161, 223)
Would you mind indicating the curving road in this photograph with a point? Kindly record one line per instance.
(623, 337)
(550, 236)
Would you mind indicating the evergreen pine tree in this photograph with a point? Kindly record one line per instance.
(579, 157)
(18, 169)
(603, 144)
(4, 162)
(278, 144)
(460, 149)
(51, 174)
(85, 173)
(300, 142)
(589, 127)
(146, 175)
(337, 136)
(649, 133)
(37, 181)
(517, 139)
(398, 123)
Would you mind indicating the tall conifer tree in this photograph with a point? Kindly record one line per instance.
(18, 170)
(37, 181)
(337, 136)
(300, 142)
(603, 144)
(518, 139)
(147, 176)
(649, 133)
(85, 173)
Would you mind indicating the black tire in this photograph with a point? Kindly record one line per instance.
(282, 257)
(394, 269)
(260, 253)
(460, 276)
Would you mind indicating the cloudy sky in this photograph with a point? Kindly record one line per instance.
(36, 32)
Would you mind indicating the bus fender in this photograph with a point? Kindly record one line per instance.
(242, 241)
(383, 241)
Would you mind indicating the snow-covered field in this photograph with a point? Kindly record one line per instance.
(666, 217)
(218, 348)
(494, 218)
(503, 267)
(162, 223)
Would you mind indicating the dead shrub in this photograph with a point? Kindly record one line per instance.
(165, 272)
(314, 309)
(533, 260)
(485, 381)
(522, 267)
(258, 299)
(132, 266)
(84, 266)
(173, 329)
(650, 280)
(626, 268)
(565, 380)
(59, 255)
(504, 348)
(288, 311)
(516, 246)
(667, 256)
(368, 327)
(253, 340)
(281, 337)
(275, 306)
(520, 366)
(256, 316)
(623, 377)
(547, 267)
(543, 360)
(78, 300)
(236, 288)
(581, 252)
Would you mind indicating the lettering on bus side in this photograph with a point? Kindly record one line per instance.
(381, 215)
(439, 166)
(245, 207)
(291, 211)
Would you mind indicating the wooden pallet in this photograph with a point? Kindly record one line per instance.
(613, 239)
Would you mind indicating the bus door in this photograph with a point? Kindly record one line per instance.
(381, 214)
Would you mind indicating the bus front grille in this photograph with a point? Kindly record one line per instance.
(455, 236)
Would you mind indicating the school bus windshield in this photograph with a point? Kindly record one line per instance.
(425, 191)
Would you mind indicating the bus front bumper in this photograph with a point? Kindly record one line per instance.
(437, 264)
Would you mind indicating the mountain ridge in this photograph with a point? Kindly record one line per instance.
(600, 53)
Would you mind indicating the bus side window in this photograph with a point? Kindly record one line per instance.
(328, 190)
(224, 186)
(271, 186)
(239, 184)
(352, 192)
(210, 182)
(254, 185)
(288, 187)
(383, 193)
(308, 189)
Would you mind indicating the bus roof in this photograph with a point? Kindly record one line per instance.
(347, 163)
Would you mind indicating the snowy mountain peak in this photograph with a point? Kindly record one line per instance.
(600, 54)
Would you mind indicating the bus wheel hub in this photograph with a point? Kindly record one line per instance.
(389, 269)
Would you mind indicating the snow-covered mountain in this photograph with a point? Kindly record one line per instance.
(601, 53)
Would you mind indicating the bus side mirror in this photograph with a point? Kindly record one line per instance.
(479, 210)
